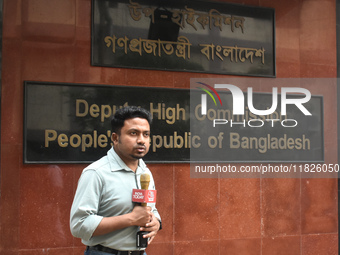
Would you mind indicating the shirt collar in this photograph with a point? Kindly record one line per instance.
(116, 163)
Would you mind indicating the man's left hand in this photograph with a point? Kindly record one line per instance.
(152, 227)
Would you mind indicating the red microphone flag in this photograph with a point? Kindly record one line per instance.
(144, 196)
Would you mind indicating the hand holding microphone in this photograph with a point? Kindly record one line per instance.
(141, 215)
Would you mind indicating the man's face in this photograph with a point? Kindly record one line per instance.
(133, 142)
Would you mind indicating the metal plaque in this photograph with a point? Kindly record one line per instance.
(189, 36)
(70, 123)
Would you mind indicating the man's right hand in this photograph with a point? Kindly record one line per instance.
(141, 215)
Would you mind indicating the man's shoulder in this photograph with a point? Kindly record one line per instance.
(100, 165)
(144, 167)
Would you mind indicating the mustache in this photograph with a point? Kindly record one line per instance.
(140, 146)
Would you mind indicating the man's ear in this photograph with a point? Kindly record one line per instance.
(114, 138)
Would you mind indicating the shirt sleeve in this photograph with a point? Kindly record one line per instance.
(83, 218)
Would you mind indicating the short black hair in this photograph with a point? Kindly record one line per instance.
(128, 112)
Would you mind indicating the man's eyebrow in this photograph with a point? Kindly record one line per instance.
(136, 129)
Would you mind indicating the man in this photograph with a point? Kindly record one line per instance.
(103, 214)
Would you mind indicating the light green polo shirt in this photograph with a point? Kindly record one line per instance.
(105, 190)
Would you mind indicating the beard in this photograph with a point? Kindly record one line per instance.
(137, 157)
(135, 154)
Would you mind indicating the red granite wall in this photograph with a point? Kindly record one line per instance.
(50, 41)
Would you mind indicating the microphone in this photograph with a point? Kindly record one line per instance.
(143, 196)
(144, 183)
